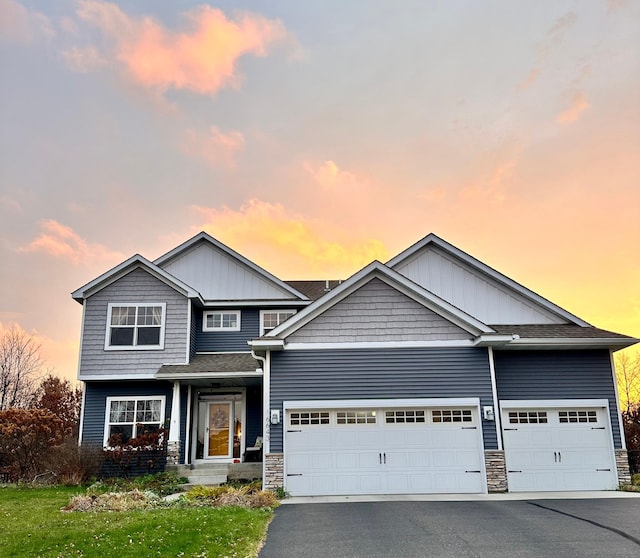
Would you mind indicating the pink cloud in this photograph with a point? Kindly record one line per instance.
(216, 147)
(579, 104)
(84, 60)
(23, 25)
(60, 241)
(201, 58)
(292, 246)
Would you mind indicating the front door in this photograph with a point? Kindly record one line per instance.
(219, 436)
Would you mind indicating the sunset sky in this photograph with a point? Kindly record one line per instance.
(315, 136)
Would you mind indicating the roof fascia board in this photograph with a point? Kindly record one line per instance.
(207, 375)
(203, 236)
(432, 239)
(394, 280)
(134, 262)
(270, 303)
(544, 342)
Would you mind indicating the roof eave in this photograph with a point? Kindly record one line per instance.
(614, 343)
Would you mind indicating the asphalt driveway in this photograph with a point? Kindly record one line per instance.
(509, 529)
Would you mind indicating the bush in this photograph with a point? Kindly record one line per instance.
(161, 484)
(245, 496)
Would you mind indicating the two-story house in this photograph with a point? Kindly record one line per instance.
(430, 373)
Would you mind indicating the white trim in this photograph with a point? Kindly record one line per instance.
(208, 375)
(174, 425)
(135, 347)
(623, 439)
(207, 313)
(382, 403)
(84, 309)
(258, 303)
(494, 393)
(187, 430)
(393, 279)
(552, 403)
(107, 410)
(604, 342)
(82, 407)
(122, 269)
(98, 377)
(379, 345)
(413, 251)
(188, 344)
(275, 311)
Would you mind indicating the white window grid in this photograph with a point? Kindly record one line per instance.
(136, 412)
(408, 416)
(140, 318)
(578, 416)
(439, 416)
(356, 417)
(528, 417)
(307, 418)
(221, 320)
(270, 319)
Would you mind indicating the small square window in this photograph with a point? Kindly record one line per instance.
(227, 320)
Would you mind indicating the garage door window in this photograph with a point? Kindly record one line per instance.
(403, 417)
(578, 416)
(451, 415)
(356, 417)
(528, 417)
(301, 418)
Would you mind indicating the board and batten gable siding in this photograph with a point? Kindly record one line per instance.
(472, 291)
(558, 374)
(135, 287)
(232, 341)
(218, 276)
(377, 312)
(380, 374)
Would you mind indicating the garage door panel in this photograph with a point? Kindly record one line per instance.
(379, 455)
(558, 449)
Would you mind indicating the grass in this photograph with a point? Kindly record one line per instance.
(33, 525)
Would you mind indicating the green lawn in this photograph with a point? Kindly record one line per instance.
(32, 525)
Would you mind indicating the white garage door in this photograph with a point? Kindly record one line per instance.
(383, 450)
(564, 448)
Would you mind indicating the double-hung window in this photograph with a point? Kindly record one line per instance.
(270, 319)
(227, 320)
(129, 417)
(135, 326)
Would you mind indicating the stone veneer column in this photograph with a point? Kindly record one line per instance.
(622, 463)
(274, 471)
(173, 452)
(496, 471)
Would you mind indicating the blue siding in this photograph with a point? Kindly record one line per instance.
(96, 394)
(254, 415)
(219, 341)
(380, 374)
(557, 375)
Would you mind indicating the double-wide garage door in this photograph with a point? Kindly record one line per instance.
(391, 449)
(558, 448)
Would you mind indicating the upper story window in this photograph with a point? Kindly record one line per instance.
(228, 320)
(135, 326)
(270, 319)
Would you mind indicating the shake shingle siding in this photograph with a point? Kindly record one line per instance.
(377, 312)
(135, 287)
(557, 375)
(380, 374)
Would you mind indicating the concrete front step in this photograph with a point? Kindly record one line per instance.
(218, 473)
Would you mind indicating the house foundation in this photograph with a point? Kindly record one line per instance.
(496, 471)
(173, 452)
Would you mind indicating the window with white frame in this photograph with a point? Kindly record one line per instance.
(129, 417)
(139, 326)
(227, 320)
(270, 319)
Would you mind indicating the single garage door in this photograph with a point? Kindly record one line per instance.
(383, 450)
(562, 448)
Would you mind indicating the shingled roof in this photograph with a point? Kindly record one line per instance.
(565, 331)
(223, 364)
(314, 289)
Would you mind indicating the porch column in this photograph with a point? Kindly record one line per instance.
(173, 446)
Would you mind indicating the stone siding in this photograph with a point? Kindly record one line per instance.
(496, 471)
(173, 452)
(274, 471)
(622, 463)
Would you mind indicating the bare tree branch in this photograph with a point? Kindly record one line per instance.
(20, 368)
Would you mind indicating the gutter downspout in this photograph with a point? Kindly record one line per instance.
(494, 392)
(623, 440)
(266, 402)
